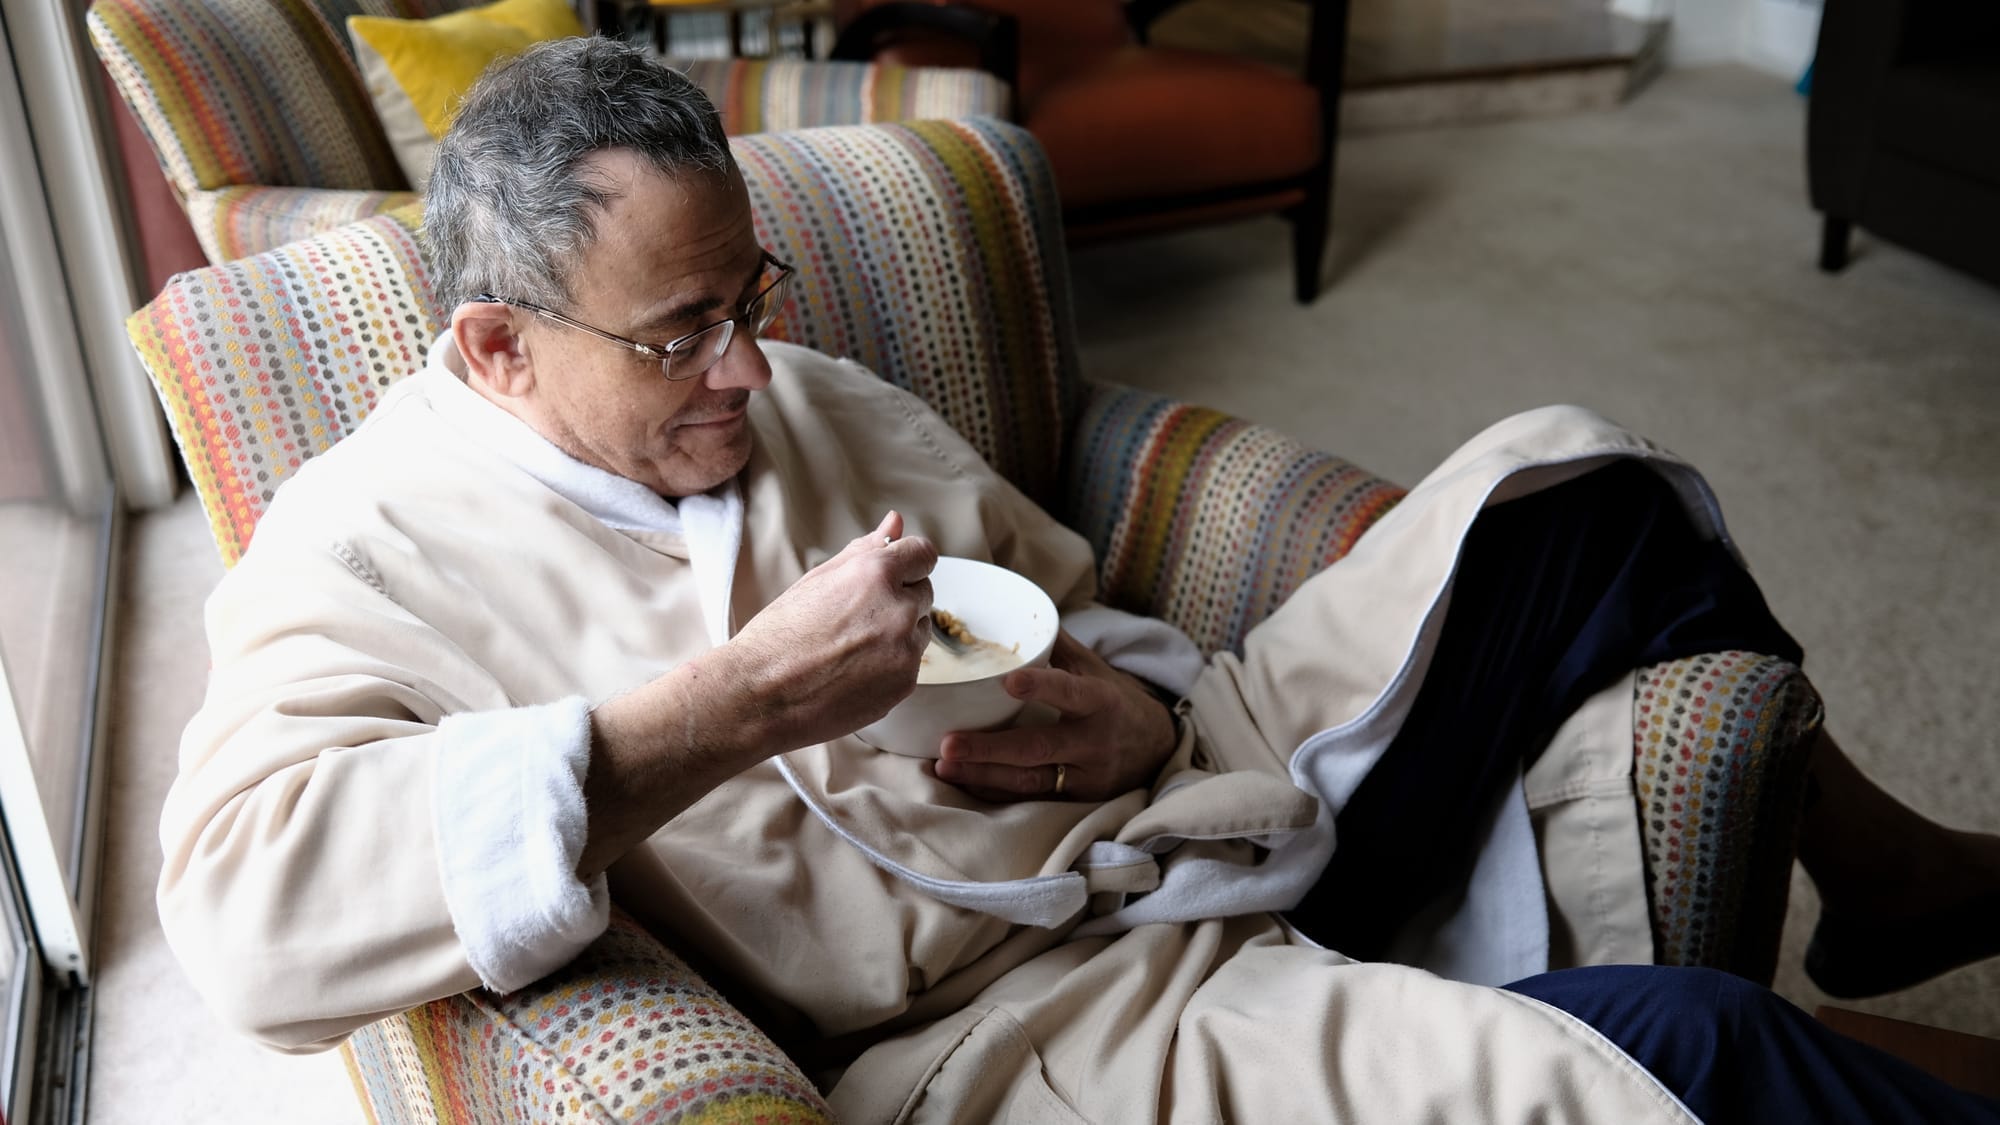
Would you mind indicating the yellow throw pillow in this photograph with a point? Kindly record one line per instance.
(417, 70)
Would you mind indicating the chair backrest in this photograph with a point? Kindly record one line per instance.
(252, 92)
(932, 253)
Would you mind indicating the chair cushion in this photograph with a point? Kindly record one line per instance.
(250, 91)
(1154, 122)
(236, 222)
(417, 71)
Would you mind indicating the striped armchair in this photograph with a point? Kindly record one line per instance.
(949, 279)
(265, 131)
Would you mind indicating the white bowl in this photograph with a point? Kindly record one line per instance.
(998, 605)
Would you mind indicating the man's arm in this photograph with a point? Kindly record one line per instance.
(829, 656)
(319, 869)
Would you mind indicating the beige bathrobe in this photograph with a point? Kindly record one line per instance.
(1027, 961)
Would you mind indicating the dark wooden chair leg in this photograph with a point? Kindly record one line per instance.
(1309, 228)
(1833, 236)
(1326, 72)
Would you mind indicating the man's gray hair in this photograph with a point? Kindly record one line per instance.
(509, 210)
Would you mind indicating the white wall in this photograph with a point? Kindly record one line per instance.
(1773, 35)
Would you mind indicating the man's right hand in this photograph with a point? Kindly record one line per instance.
(841, 647)
(829, 656)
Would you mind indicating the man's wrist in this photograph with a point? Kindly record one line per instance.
(1171, 701)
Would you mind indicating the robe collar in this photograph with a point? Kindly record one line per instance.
(710, 523)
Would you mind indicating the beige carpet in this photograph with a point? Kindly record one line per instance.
(1654, 263)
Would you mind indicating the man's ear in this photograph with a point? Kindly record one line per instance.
(492, 347)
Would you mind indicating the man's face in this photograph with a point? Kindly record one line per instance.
(670, 256)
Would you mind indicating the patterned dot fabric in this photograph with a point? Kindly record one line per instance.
(1720, 743)
(930, 253)
(624, 1033)
(1204, 520)
(264, 362)
(236, 222)
(777, 95)
(252, 92)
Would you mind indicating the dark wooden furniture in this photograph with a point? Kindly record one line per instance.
(1142, 137)
(1969, 1062)
(1900, 134)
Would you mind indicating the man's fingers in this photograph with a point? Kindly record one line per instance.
(1067, 692)
(911, 560)
(921, 590)
(1022, 747)
(1069, 651)
(996, 782)
(887, 531)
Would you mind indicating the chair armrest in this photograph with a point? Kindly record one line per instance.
(1203, 520)
(236, 222)
(1720, 745)
(626, 1032)
(1210, 522)
(769, 96)
(995, 35)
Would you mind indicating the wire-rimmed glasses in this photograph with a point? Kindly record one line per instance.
(690, 356)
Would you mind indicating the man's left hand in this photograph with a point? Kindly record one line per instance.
(1113, 735)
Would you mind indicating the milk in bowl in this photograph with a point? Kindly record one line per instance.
(1014, 625)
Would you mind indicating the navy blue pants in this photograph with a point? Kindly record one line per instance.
(1734, 1051)
(1558, 594)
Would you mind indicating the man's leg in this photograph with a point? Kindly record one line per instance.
(1557, 593)
(1902, 897)
(1734, 1051)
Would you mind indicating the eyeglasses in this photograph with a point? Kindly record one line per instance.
(693, 354)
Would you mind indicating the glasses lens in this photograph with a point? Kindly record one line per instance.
(696, 354)
(767, 306)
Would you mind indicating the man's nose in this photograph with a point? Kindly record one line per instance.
(742, 364)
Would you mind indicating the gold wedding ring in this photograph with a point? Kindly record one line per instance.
(1062, 777)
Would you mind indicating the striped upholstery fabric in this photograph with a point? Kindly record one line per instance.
(1721, 743)
(930, 253)
(767, 96)
(626, 1032)
(1205, 520)
(236, 222)
(252, 92)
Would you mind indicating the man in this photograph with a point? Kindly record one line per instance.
(590, 607)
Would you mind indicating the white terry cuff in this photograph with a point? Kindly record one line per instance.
(510, 823)
(1148, 648)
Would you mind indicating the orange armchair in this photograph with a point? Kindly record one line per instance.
(1142, 138)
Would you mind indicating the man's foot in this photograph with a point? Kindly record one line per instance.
(1853, 958)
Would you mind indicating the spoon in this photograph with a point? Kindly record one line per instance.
(950, 633)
